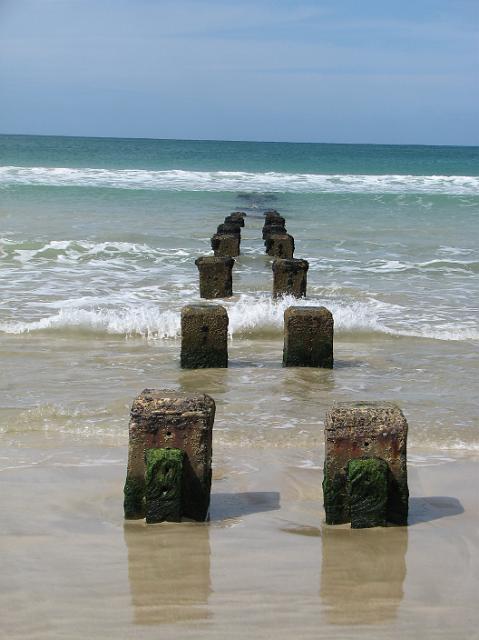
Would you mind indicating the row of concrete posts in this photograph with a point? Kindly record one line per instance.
(308, 337)
(216, 272)
(170, 456)
(170, 434)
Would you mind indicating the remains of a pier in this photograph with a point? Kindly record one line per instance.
(229, 227)
(273, 230)
(169, 456)
(308, 337)
(226, 244)
(365, 470)
(204, 336)
(280, 245)
(290, 277)
(216, 276)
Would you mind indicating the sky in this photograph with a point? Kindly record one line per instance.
(273, 70)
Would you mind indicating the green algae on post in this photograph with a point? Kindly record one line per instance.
(225, 245)
(368, 492)
(163, 485)
(134, 498)
(280, 245)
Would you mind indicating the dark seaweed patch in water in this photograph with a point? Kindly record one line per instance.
(256, 200)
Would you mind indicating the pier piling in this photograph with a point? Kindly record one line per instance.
(290, 277)
(357, 436)
(204, 336)
(170, 436)
(280, 245)
(216, 276)
(308, 337)
(225, 245)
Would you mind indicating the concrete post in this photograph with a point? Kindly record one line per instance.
(308, 337)
(273, 230)
(290, 277)
(280, 246)
(237, 217)
(204, 336)
(168, 420)
(225, 245)
(365, 430)
(216, 277)
(231, 228)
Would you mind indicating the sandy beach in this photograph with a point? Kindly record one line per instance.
(265, 566)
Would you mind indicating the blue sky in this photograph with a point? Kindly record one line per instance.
(324, 71)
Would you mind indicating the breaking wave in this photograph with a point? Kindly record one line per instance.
(248, 317)
(178, 180)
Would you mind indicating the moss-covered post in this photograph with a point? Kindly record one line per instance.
(168, 420)
(308, 337)
(365, 430)
(225, 245)
(204, 336)
(163, 484)
(280, 245)
(290, 277)
(216, 276)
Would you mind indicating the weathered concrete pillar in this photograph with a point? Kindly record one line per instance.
(237, 217)
(290, 277)
(216, 277)
(365, 430)
(308, 337)
(273, 218)
(231, 228)
(280, 245)
(167, 420)
(225, 245)
(163, 484)
(273, 230)
(204, 336)
(368, 492)
(270, 214)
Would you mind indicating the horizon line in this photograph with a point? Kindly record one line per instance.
(383, 144)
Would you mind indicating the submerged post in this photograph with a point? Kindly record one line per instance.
(169, 430)
(280, 245)
(290, 277)
(308, 337)
(216, 277)
(204, 336)
(225, 245)
(356, 432)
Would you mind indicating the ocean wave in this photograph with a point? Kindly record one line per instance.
(249, 317)
(179, 180)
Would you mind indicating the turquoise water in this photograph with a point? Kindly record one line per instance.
(99, 236)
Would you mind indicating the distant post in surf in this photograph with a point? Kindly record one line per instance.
(365, 470)
(280, 245)
(308, 337)
(216, 276)
(204, 336)
(225, 245)
(290, 277)
(169, 456)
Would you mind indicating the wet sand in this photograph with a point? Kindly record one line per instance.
(265, 566)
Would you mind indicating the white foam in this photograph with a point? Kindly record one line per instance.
(179, 180)
(249, 317)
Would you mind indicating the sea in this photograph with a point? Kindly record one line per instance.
(98, 241)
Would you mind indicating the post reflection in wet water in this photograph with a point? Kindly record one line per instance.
(169, 574)
(362, 574)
